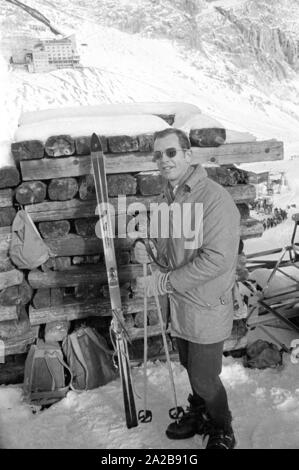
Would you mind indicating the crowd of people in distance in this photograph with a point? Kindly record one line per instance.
(271, 216)
(278, 216)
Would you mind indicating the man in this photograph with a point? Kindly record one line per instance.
(199, 282)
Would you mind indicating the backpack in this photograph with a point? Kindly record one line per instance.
(27, 248)
(262, 354)
(89, 359)
(44, 374)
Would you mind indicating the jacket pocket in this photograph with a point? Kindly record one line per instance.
(216, 300)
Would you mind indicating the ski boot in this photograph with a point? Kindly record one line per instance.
(220, 438)
(194, 421)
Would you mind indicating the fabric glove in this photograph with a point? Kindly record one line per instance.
(156, 284)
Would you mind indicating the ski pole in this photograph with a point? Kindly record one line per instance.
(145, 415)
(176, 412)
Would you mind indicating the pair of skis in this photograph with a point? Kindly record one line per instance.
(117, 325)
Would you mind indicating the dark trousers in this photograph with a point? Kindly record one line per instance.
(203, 363)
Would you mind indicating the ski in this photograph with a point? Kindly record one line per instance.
(117, 325)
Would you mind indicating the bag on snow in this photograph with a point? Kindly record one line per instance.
(45, 374)
(89, 359)
(262, 354)
(27, 248)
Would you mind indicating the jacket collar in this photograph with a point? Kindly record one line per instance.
(194, 175)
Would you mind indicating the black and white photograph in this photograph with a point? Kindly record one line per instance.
(149, 227)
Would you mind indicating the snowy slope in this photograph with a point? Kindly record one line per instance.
(225, 75)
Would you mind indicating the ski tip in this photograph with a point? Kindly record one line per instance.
(95, 143)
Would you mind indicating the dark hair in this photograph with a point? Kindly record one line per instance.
(181, 135)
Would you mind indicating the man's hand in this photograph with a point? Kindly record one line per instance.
(140, 252)
(156, 284)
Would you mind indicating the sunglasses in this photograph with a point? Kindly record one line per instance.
(170, 153)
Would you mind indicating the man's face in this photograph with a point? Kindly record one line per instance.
(173, 169)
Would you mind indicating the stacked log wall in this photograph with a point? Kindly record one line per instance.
(54, 185)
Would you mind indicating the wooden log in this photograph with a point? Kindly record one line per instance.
(242, 193)
(87, 188)
(9, 312)
(59, 263)
(60, 145)
(209, 137)
(5, 239)
(6, 197)
(146, 142)
(169, 118)
(78, 310)
(251, 228)
(16, 295)
(86, 227)
(5, 264)
(123, 184)
(45, 298)
(9, 176)
(149, 183)
(54, 229)
(7, 215)
(249, 152)
(123, 144)
(20, 344)
(77, 275)
(31, 192)
(56, 331)
(11, 278)
(27, 150)
(152, 319)
(12, 328)
(62, 189)
(82, 145)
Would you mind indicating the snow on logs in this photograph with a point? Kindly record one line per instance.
(52, 154)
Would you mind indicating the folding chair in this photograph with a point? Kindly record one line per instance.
(265, 308)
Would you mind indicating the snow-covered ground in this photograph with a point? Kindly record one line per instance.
(265, 406)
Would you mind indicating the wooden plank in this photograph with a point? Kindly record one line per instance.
(48, 168)
(76, 275)
(78, 310)
(242, 193)
(76, 209)
(6, 197)
(75, 245)
(247, 152)
(20, 344)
